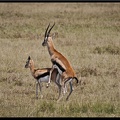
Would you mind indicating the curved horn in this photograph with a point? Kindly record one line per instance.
(50, 29)
(47, 30)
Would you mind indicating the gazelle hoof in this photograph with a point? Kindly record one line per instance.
(47, 86)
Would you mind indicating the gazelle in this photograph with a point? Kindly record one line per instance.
(60, 62)
(42, 75)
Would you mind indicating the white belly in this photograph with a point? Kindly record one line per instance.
(44, 79)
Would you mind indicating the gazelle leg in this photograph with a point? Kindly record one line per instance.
(50, 77)
(60, 95)
(71, 89)
(65, 89)
(61, 87)
(36, 90)
(60, 90)
(58, 80)
(40, 89)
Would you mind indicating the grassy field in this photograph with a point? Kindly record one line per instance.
(88, 34)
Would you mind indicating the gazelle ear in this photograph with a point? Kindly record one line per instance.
(29, 58)
(54, 35)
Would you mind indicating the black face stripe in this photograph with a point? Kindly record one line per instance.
(60, 67)
(42, 75)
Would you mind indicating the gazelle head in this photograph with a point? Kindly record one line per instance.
(47, 35)
(28, 62)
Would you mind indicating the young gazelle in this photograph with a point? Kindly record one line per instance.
(42, 75)
(60, 62)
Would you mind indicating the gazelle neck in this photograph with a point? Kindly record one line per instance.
(32, 67)
(50, 46)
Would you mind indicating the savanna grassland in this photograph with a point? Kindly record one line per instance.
(88, 34)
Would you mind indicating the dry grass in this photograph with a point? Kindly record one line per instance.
(88, 35)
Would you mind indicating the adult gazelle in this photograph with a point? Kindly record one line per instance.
(60, 62)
